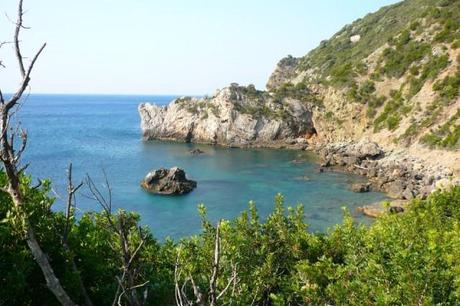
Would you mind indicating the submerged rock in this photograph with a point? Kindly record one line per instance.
(196, 152)
(377, 209)
(359, 187)
(164, 181)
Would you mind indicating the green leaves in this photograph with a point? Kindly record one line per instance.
(407, 259)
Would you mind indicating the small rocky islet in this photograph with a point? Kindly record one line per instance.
(168, 182)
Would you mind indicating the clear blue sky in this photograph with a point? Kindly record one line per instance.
(167, 46)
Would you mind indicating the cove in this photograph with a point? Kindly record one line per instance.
(101, 133)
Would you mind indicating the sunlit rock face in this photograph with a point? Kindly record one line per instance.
(235, 116)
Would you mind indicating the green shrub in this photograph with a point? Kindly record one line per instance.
(342, 75)
(403, 259)
(393, 122)
(397, 60)
(449, 87)
(446, 136)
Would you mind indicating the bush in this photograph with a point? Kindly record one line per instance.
(397, 60)
(449, 87)
(342, 75)
(446, 136)
(400, 259)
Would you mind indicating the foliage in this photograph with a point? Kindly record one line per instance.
(340, 57)
(300, 92)
(91, 244)
(398, 59)
(430, 71)
(391, 115)
(449, 87)
(446, 136)
(400, 259)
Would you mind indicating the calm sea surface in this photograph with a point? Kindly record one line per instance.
(99, 133)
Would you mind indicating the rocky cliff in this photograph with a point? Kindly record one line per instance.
(391, 78)
(235, 116)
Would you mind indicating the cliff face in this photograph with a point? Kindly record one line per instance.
(392, 77)
(234, 116)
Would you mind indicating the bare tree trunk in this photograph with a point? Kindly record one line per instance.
(40, 257)
(215, 268)
(52, 281)
(71, 204)
(212, 296)
(11, 158)
(128, 282)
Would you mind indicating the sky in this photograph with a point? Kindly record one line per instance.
(166, 46)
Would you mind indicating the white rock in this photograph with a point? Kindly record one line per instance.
(355, 38)
(235, 116)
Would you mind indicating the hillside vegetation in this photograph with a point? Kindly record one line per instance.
(409, 259)
(396, 71)
(393, 75)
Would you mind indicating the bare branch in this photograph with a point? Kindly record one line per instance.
(177, 291)
(23, 136)
(40, 182)
(23, 169)
(10, 161)
(215, 267)
(16, 40)
(131, 288)
(71, 190)
(196, 291)
(25, 82)
(127, 251)
(230, 281)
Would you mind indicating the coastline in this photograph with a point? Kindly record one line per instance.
(398, 174)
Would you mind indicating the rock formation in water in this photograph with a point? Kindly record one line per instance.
(391, 78)
(235, 116)
(168, 182)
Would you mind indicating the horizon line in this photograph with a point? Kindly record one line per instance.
(107, 94)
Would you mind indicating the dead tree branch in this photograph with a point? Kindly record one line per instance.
(11, 164)
(71, 190)
(128, 251)
(70, 208)
(215, 268)
(212, 296)
(16, 39)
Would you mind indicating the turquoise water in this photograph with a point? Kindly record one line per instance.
(98, 133)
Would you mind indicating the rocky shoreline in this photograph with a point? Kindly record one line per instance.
(399, 175)
(243, 117)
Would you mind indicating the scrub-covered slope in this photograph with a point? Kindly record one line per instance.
(393, 76)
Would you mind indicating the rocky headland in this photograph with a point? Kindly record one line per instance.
(235, 116)
(381, 98)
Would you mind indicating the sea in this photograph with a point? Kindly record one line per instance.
(100, 135)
